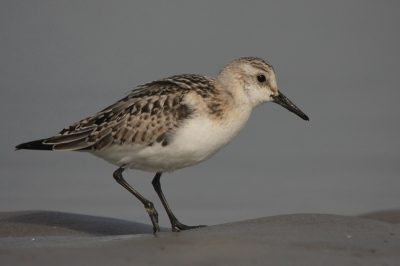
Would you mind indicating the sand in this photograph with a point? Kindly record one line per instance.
(55, 238)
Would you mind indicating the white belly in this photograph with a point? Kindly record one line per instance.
(195, 141)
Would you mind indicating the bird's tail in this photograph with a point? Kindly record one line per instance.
(35, 145)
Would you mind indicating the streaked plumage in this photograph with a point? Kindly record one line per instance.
(172, 123)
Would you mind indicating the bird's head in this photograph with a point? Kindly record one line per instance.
(256, 78)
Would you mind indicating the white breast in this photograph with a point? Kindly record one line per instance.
(197, 139)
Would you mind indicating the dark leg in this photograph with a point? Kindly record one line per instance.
(175, 224)
(148, 205)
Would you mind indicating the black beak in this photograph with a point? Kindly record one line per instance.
(285, 102)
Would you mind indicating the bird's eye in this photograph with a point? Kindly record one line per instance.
(261, 78)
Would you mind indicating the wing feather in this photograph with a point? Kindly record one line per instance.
(149, 114)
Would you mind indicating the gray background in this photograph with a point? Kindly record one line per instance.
(338, 61)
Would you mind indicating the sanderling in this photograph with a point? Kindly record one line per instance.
(172, 123)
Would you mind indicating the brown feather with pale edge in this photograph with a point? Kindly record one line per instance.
(148, 115)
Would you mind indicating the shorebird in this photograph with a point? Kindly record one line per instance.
(172, 123)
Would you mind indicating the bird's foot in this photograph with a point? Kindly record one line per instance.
(177, 226)
(153, 217)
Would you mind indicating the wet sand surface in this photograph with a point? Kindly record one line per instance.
(55, 238)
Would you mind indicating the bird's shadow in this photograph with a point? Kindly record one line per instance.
(50, 223)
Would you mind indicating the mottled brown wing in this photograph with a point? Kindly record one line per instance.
(147, 115)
